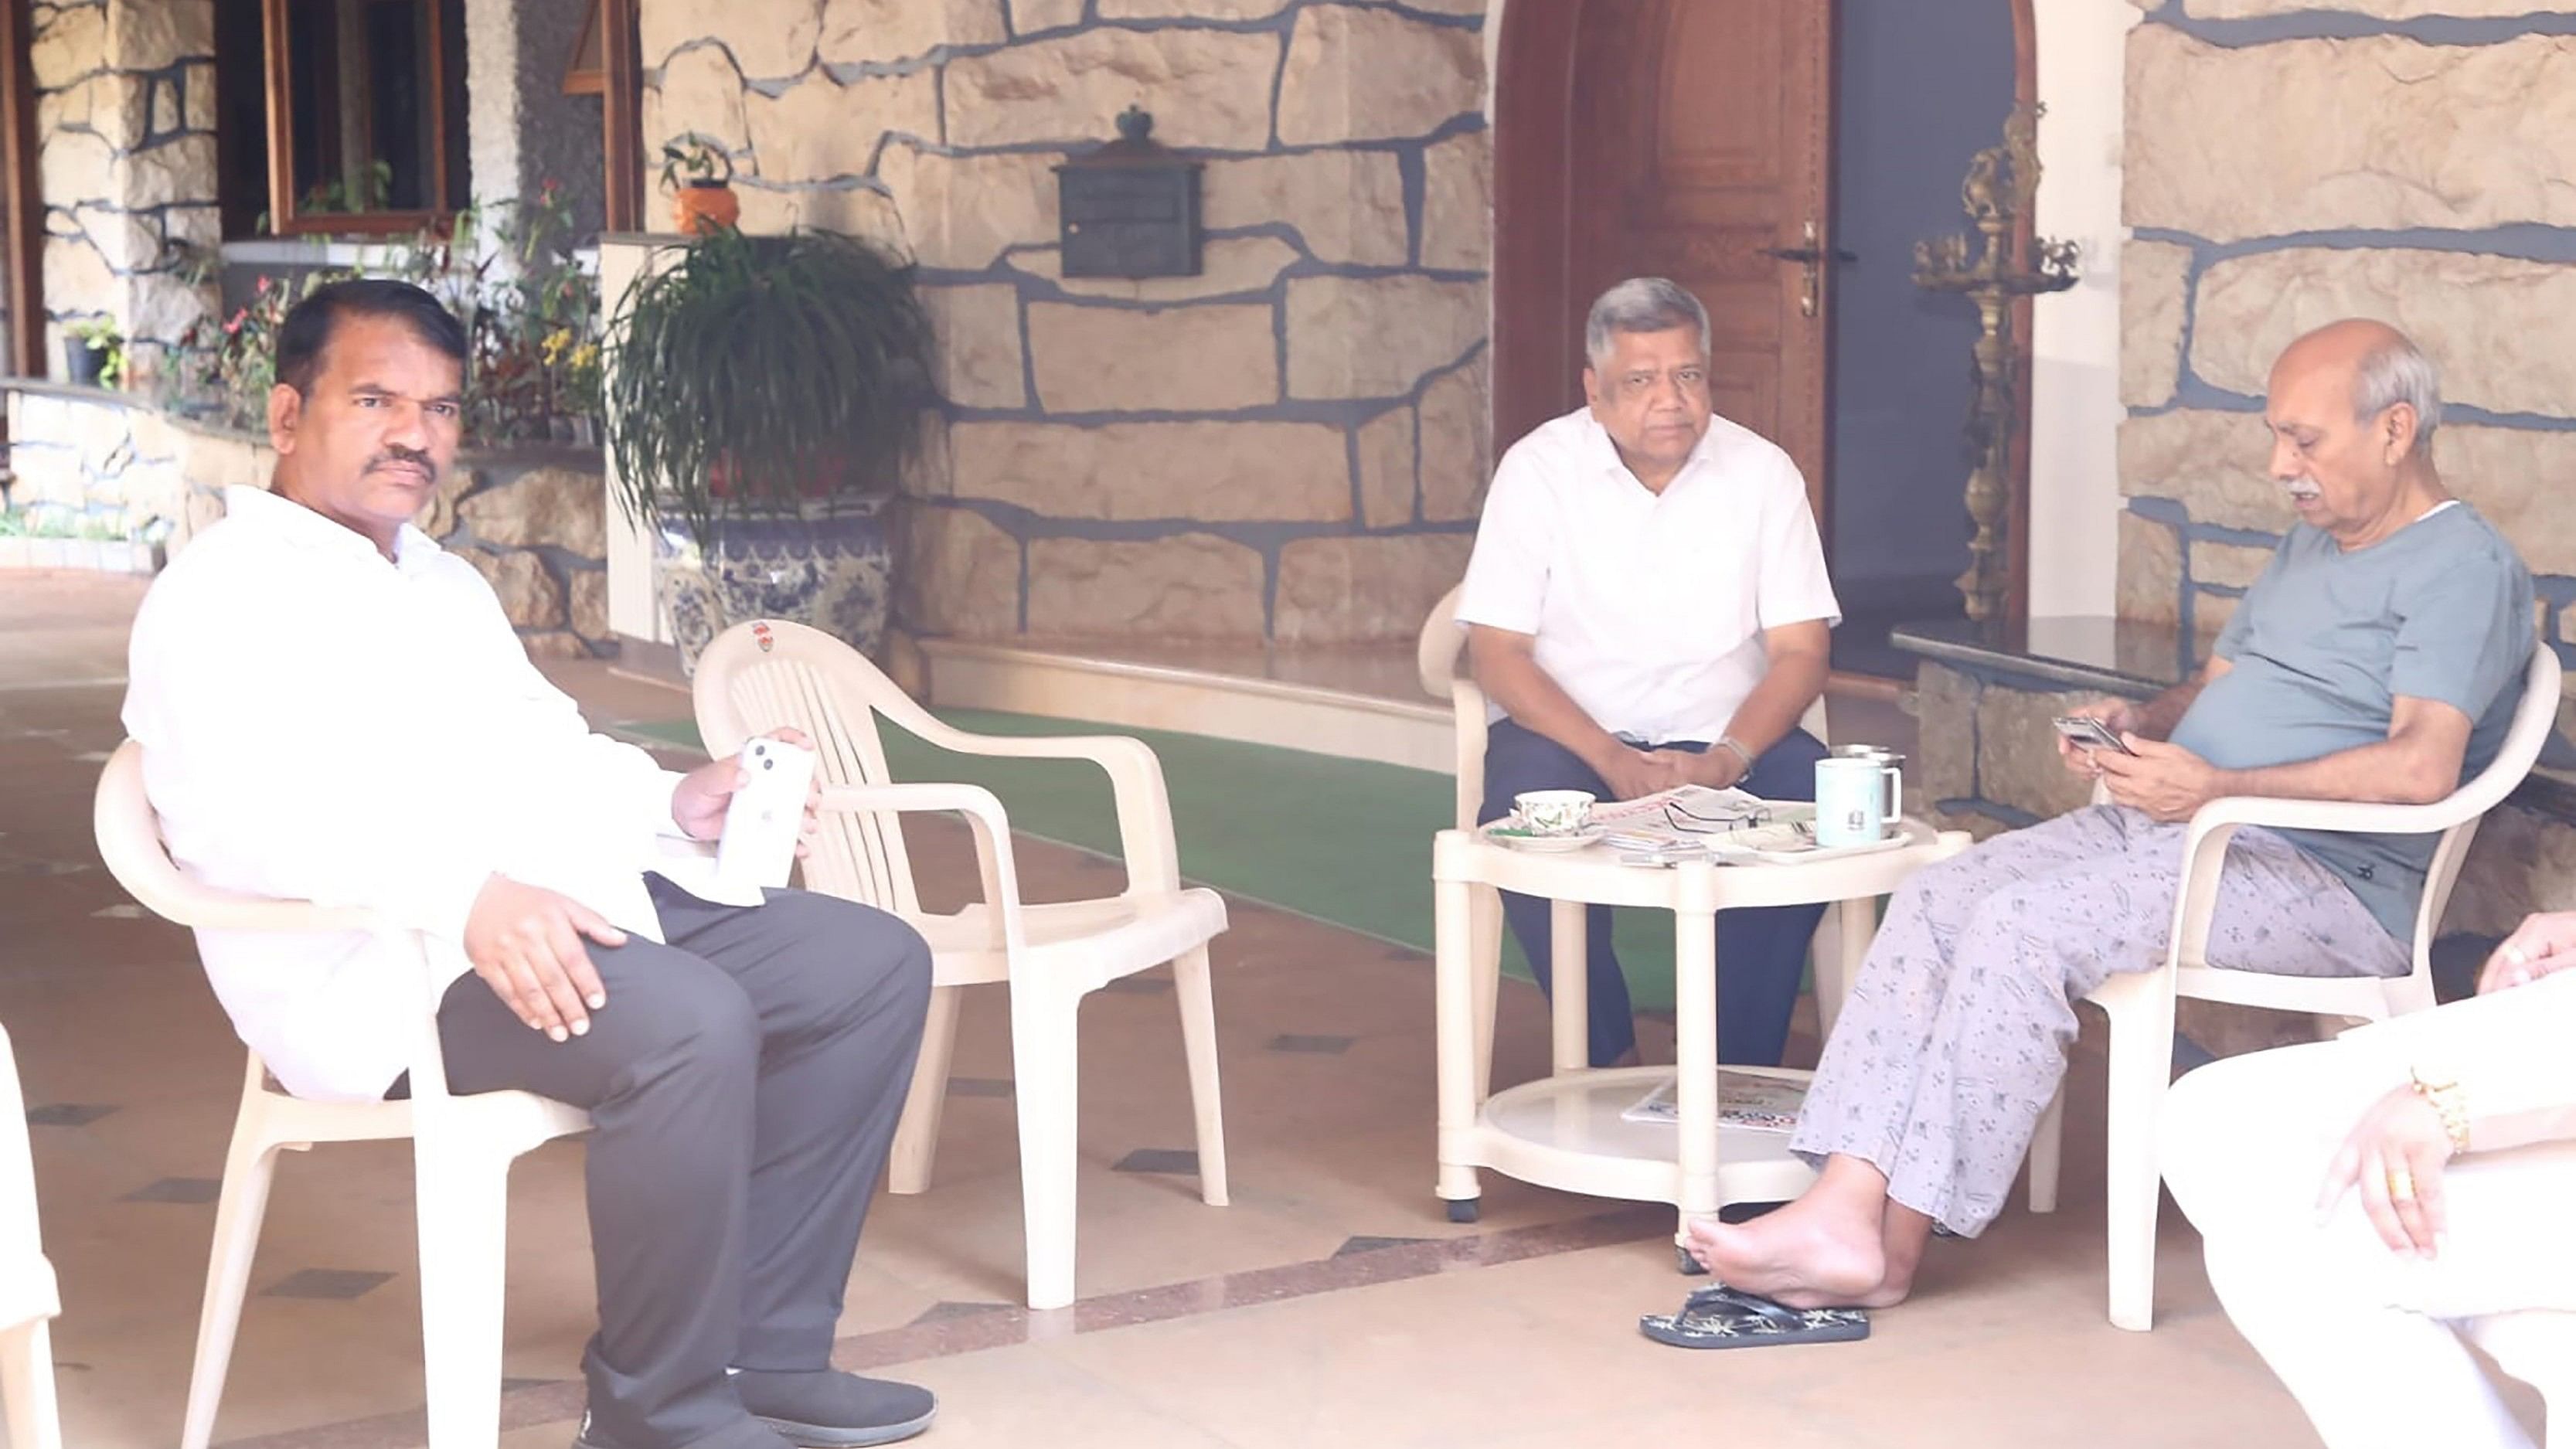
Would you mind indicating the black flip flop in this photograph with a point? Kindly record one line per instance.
(1722, 1317)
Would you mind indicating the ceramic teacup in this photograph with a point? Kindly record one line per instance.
(1553, 812)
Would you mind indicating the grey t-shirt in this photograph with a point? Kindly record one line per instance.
(2326, 641)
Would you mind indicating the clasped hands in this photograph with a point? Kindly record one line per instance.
(2165, 781)
(526, 941)
(1632, 773)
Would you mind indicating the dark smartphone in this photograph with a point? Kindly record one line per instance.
(2086, 733)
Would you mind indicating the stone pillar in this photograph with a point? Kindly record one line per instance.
(125, 116)
(2290, 162)
(2263, 214)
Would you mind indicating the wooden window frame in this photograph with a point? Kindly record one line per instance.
(622, 115)
(283, 218)
(580, 80)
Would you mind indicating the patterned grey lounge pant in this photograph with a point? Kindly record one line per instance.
(1954, 1038)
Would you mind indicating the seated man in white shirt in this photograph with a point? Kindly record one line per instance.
(1647, 606)
(333, 709)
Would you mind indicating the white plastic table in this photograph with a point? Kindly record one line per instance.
(1564, 1131)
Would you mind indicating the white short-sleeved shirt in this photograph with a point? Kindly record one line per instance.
(321, 724)
(1648, 608)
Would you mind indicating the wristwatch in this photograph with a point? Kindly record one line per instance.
(2439, 1085)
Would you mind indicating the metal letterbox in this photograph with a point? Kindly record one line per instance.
(1131, 207)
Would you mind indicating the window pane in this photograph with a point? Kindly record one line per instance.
(361, 91)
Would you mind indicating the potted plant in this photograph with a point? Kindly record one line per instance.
(699, 176)
(763, 396)
(93, 353)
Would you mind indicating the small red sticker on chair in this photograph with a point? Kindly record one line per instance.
(760, 636)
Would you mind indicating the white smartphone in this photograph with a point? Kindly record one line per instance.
(2086, 733)
(758, 847)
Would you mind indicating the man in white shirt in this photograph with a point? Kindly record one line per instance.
(333, 709)
(1647, 606)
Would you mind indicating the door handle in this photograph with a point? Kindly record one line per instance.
(1810, 258)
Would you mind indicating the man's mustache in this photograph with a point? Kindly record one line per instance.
(400, 454)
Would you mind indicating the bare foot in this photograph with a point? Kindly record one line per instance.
(1906, 1235)
(1806, 1255)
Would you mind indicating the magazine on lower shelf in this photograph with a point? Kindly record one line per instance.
(1744, 1100)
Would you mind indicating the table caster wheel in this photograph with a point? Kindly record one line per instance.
(1689, 1266)
(1462, 1209)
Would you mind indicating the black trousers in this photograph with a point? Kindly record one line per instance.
(743, 1083)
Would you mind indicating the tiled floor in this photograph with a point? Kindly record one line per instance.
(1331, 1305)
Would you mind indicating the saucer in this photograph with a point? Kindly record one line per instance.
(1521, 837)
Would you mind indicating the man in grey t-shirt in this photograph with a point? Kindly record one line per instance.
(2378, 658)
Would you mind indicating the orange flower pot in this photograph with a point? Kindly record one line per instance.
(702, 209)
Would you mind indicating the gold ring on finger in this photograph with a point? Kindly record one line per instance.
(2401, 1185)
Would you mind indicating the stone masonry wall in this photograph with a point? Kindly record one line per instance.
(534, 521)
(2292, 161)
(125, 118)
(1292, 446)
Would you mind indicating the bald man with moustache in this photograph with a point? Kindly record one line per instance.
(2378, 658)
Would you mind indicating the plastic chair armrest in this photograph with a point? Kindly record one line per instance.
(2341, 816)
(1143, 805)
(984, 817)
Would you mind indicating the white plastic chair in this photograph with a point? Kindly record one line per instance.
(29, 1298)
(462, 1148)
(2537, 1346)
(760, 675)
(2141, 1005)
(1437, 662)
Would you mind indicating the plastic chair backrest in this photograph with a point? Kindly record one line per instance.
(2533, 719)
(760, 675)
(129, 837)
(1435, 653)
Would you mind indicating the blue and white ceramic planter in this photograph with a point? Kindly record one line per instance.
(831, 569)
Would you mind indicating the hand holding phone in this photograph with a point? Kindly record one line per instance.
(2087, 733)
(765, 816)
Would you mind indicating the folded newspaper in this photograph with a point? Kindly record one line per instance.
(1755, 1103)
(1689, 804)
(1685, 822)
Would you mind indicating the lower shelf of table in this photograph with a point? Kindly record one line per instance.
(1566, 1132)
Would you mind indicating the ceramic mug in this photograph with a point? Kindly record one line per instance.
(1859, 799)
(1554, 812)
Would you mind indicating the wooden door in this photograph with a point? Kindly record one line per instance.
(22, 286)
(1691, 139)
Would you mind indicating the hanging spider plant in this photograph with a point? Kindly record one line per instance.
(764, 377)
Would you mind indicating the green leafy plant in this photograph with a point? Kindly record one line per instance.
(690, 161)
(60, 521)
(760, 375)
(99, 335)
(336, 197)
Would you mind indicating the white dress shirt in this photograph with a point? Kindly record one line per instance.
(321, 724)
(1648, 608)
